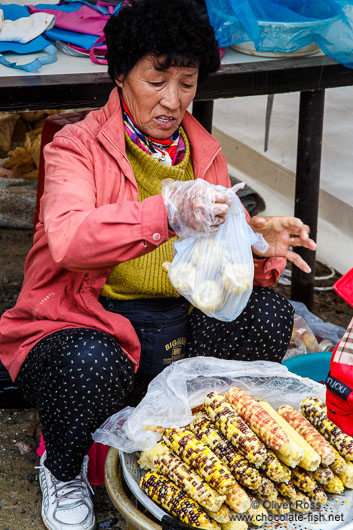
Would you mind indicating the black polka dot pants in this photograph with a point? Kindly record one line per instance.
(76, 378)
(261, 332)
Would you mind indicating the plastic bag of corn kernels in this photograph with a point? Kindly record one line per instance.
(215, 271)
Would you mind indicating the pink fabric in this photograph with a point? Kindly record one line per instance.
(108, 5)
(41, 448)
(93, 52)
(221, 52)
(90, 220)
(84, 20)
(6, 173)
(97, 455)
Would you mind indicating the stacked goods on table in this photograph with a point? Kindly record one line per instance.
(240, 459)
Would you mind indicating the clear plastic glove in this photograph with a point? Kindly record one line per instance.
(195, 206)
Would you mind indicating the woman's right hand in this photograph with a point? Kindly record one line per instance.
(194, 206)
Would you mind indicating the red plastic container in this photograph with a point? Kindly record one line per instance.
(344, 287)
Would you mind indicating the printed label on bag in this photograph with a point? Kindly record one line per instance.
(338, 388)
(177, 347)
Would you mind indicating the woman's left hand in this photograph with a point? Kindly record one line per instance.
(281, 234)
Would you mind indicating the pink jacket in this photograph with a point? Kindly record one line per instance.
(90, 221)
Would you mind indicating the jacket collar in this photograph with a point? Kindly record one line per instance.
(111, 134)
(204, 147)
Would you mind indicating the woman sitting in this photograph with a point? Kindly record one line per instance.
(97, 313)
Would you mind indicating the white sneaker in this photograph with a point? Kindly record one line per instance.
(66, 505)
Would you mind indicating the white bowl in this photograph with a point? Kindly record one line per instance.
(249, 49)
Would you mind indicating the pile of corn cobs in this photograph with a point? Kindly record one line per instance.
(240, 459)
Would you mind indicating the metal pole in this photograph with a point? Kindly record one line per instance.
(203, 112)
(311, 115)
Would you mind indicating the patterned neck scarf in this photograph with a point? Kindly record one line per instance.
(169, 152)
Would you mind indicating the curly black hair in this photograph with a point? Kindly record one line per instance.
(172, 30)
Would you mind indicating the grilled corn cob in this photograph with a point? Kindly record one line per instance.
(259, 420)
(347, 476)
(161, 459)
(256, 515)
(266, 490)
(221, 516)
(278, 506)
(309, 433)
(301, 503)
(234, 429)
(303, 480)
(323, 475)
(318, 495)
(298, 501)
(297, 454)
(316, 412)
(200, 457)
(175, 501)
(235, 525)
(274, 469)
(334, 485)
(238, 500)
(242, 470)
(286, 489)
(339, 465)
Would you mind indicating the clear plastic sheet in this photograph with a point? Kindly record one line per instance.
(320, 328)
(285, 25)
(302, 340)
(183, 385)
(215, 272)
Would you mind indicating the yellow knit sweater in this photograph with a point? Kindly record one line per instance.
(144, 277)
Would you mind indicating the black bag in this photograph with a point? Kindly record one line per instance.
(10, 394)
(161, 325)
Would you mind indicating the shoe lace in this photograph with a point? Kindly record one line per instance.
(69, 494)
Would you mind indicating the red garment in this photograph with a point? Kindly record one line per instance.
(339, 393)
(91, 220)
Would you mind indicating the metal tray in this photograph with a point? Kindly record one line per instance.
(132, 474)
(337, 514)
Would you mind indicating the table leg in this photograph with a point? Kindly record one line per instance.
(203, 112)
(311, 114)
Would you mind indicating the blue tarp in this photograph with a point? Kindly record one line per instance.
(286, 25)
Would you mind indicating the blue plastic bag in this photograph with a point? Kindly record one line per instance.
(285, 25)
